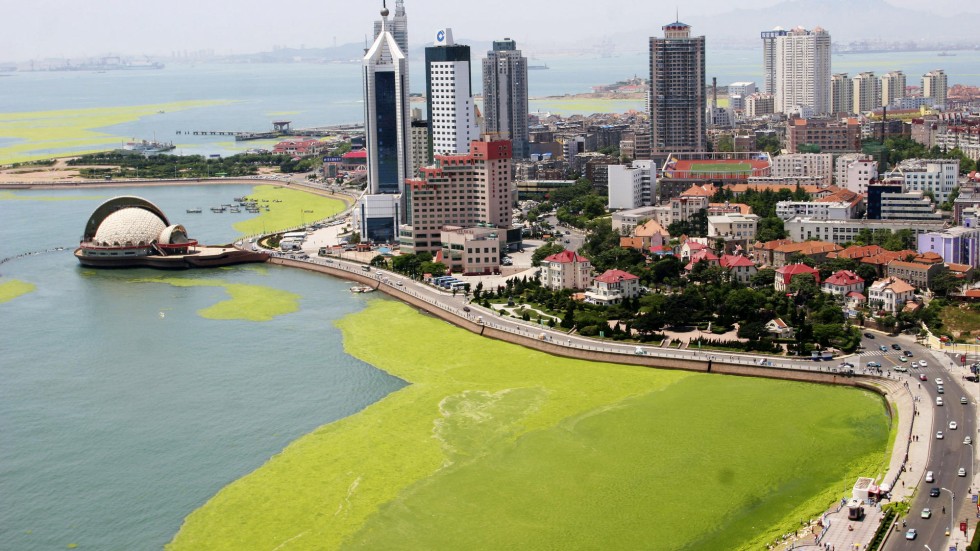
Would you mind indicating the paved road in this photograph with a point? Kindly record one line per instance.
(946, 455)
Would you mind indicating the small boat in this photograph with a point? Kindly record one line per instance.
(194, 211)
(361, 289)
(217, 209)
(235, 209)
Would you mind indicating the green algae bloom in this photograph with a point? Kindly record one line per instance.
(494, 446)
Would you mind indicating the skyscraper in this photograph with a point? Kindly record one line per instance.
(397, 26)
(803, 70)
(867, 92)
(892, 87)
(934, 86)
(841, 94)
(505, 95)
(386, 135)
(769, 59)
(676, 96)
(449, 96)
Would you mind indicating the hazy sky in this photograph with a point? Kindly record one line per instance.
(74, 28)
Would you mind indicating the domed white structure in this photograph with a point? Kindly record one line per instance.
(129, 227)
(131, 231)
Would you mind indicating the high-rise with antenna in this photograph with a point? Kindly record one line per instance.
(386, 135)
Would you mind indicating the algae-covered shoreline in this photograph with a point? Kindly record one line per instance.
(493, 445)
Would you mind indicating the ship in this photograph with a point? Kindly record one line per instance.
(946, 54)
(538, 67)
(146, 147)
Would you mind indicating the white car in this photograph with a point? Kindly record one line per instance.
(968, 440)
(939, 435)
(961, 472)
(922, 363)
(952, 425)
(939, 381)
(963, 400)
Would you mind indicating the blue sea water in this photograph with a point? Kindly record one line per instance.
(327, 94)
(121, 408)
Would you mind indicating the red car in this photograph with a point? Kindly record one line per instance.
(922, 377)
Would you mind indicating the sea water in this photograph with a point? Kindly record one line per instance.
(312, 95)
(122, 409)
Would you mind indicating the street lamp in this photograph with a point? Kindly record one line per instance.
(952, 510)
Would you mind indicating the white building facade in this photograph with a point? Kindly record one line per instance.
(803, 70)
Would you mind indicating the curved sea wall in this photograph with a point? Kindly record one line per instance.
(716, 366)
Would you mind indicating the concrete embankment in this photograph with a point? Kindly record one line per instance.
(717, 365)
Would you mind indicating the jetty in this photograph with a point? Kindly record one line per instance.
(279, 130)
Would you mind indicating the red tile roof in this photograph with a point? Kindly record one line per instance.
(566, 257)
(844, 278)
(732, 261)
(615, 276)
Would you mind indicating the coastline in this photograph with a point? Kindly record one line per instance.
(492, 405)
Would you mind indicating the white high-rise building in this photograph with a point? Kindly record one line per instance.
(854, 171)
(631, 186)
(449, 96)
(867, 92)
(386, 134)
(841, 94)
(892, 87)
(802, 73)
(934, 87)
(769, 59)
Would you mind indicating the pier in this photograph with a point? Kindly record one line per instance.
(280, 129)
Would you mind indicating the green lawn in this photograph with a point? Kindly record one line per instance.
(493, 446)
(724, 168)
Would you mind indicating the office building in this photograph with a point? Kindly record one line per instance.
(854, 171)
(817, 165)
(677, 91)
(802, 228)
(397, 26)
(505, 95)
(867, 92)
(386, 136)
(769, 59)
(841, 94)
(757, 105)
(631, 186)
(934, 87)
(803, 70)
(956, 245)
(420, 145)
(892, 87)
(462, 190)
(826, 135)
(449, 96)
(936, 177)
